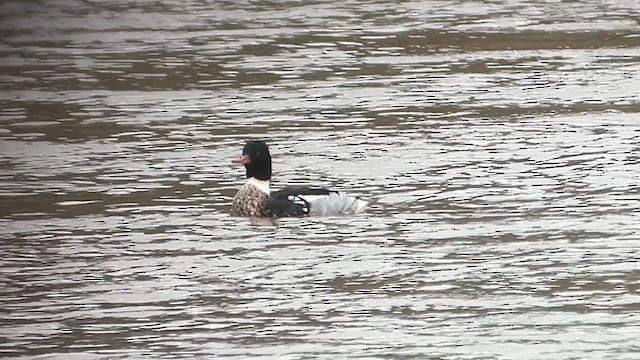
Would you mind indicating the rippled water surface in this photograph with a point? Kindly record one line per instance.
(498, 142)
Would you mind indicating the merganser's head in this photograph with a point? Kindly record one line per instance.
(256, 160)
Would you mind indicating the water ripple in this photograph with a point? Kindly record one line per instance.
(497, 143)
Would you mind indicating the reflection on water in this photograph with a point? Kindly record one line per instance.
(497, 141)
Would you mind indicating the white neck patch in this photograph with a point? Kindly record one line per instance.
(263, 185)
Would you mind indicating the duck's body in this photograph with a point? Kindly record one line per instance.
(255, 199)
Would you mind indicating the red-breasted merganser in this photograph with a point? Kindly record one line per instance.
(255, 199)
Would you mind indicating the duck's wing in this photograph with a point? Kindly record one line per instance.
(302, 201)
(294, 201)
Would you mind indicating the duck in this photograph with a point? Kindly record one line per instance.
(255, 198)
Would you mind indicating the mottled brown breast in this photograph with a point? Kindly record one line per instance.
(251, 201)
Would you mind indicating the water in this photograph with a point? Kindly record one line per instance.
(497, 141)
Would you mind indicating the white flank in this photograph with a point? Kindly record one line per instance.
(263, 185)
(335, 204)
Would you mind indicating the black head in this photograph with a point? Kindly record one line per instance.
(256, 160)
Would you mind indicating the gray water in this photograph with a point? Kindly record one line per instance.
(498, 142)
